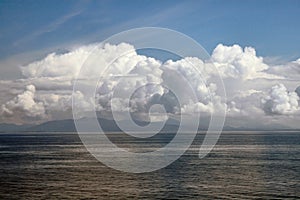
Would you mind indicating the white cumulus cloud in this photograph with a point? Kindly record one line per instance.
(24, 104)
(246, 76)
(281, 101)
(235, 62)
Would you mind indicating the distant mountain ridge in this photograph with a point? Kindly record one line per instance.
(110, 125)
(13, 127)
(68, 125)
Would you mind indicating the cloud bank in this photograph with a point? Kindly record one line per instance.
(254, 89)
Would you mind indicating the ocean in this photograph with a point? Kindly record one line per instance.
(243, 165)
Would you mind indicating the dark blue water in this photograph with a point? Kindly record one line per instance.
(243, 165)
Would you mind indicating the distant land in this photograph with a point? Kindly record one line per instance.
(109, 125)
(68, 125)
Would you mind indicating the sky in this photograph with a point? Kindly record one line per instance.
(255, 44)
(31, 29)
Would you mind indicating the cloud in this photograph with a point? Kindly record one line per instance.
(248, 80)
(298, 91)
(56, 72)
(24, 105)
(290, 70)
(245, 103)
(281, 101)
(235, 62)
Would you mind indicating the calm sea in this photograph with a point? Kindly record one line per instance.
(243, 165)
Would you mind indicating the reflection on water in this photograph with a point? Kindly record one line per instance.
(244, 165)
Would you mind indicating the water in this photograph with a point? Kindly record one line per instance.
(243, 165)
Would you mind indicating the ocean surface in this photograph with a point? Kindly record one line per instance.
(243, 165)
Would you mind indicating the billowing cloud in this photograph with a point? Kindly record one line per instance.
(245, 103)
(281, 101)
(68, 65)
(24, 105)
(248, 80)
(235, 62)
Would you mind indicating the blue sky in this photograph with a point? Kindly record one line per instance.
(272, 27)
